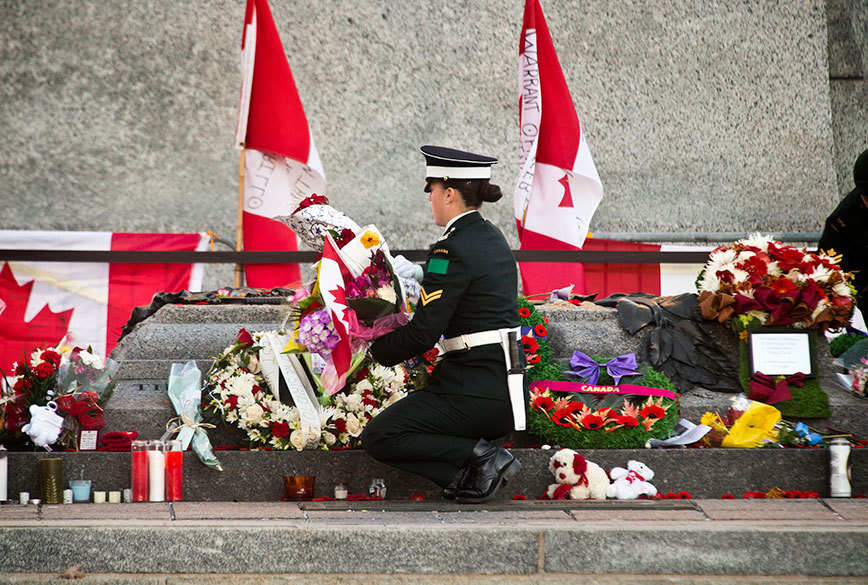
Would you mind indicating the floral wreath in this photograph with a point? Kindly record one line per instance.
(588, 421)
(237, 394)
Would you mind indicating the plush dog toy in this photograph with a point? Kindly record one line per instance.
(630, 483)
(577, 478)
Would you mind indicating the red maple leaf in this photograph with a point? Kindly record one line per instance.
(18, 336)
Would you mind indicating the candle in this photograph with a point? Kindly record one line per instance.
(139, 471)
(114, 497)
(156, 472)
(4, 477)
(80, 490)
(99, 497)
(128, 495)
(174, 470)
(24, 498)
(51, 480)
(341, 492)
(67, 496)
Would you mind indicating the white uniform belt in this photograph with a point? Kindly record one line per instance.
(469, 340)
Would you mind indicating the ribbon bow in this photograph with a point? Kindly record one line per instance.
(766, 389)
(85, 408)
(586, 367)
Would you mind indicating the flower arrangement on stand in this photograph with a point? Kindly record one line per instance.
(759, 282)
(601, 412)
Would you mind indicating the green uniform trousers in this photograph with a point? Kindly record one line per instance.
(432, 434)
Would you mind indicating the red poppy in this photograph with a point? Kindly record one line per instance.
(542, 402)
(684, 496)
(523, 312)
(540, 330)
(518, 497)
(417, 497)
(280, 429)
(562, 417)
(533, 359)
(727, 497)
(652, 411)
(626, 420)
(530, 344)
(592, 421)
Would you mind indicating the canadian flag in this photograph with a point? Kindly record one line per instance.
(282, 165)
(330, 280)
(88, 303)
(558, 187)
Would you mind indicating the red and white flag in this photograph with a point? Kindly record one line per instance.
(282, 165)
(331, 287)
(558, 187)
(89, 303)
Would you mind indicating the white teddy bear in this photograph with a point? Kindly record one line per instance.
(577, 478)
(630, 483)
(45, 425)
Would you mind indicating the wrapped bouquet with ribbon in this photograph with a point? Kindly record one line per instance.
(185, 394)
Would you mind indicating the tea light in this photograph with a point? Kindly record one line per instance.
(67, 496)
(114, 497)
(99, 497)
(24, 498)
(128, 495)
(341, 492)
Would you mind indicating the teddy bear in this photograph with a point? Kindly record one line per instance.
(630, 483)
(577, 478)
(45, 425)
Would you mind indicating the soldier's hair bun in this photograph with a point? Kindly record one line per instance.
(489, 192)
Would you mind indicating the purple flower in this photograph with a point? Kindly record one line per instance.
(316, 332)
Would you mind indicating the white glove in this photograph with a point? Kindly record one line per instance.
(406, 269)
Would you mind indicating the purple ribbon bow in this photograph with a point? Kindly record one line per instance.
(586, 367)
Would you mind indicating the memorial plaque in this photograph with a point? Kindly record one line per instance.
(782, 352)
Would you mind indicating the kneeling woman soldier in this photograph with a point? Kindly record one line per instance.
(469, 297)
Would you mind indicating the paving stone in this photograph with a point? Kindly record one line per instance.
(131, 511)
(851, 510)
(636, 515)
(18, 512)
(758, 510)
(236, 510)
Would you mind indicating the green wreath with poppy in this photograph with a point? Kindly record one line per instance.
(590, 421)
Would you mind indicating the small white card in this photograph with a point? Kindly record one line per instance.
(87, 440)
(780, 353)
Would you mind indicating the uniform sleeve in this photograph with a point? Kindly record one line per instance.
(446, 279)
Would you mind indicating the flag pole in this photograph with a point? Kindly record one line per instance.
(239, 231)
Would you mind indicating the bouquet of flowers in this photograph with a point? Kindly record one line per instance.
(775, 284)
(75, 383)
(860, 378)
(356, 296)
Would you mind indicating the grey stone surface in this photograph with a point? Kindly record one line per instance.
(709, 115)
(258, 476)
(688, 549)
(278, 549)
(848, 37)
(850, 124)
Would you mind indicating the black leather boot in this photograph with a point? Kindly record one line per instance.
(458, 482)
(491, 468)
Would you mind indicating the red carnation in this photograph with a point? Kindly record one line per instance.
(340, 425)
(51, 356)
(232, 402)
(280, 429)
(43, 370)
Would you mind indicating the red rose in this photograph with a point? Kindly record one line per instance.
(340, 425)
(280, 429)
(244, 339)
(312, 200)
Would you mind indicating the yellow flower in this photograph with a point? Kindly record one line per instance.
(742, 334)
(370, 239)
(754, 426)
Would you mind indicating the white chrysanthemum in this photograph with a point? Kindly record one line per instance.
(773, 269)
(721, 257)
(758, 241)
(387, 293)
(365, 385)
(242, 384)
(710, 282)
(820, 273)
(841, 290)
(354, 402)
(739, 275)
(91, 359)
(232, 416)
(326, 415)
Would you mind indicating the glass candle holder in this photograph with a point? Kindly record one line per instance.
(298, 487)
(156, 471)
(80, 490)
(51, 480)
(174, 470)
(139, 453)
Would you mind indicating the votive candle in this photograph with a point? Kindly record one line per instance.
(67, 496)
(139, 471)
(99, 497)
(114, 497)
(156, 472)
(174, 470)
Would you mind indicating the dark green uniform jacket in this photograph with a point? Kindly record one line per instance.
(470, 285)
